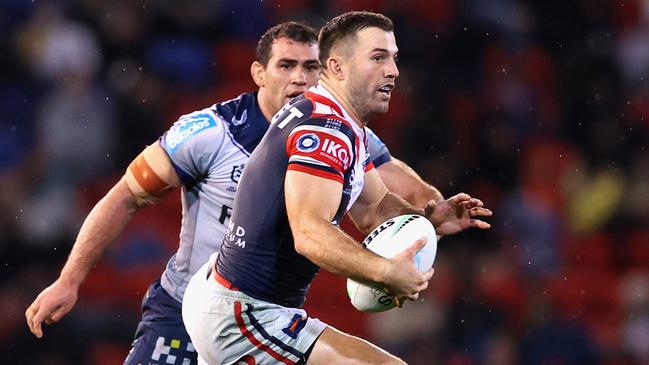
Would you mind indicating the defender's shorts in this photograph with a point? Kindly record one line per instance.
(161, 337)
(230, 327)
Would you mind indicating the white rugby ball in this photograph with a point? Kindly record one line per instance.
(388, 239)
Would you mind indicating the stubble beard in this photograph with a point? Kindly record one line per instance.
(362, 101)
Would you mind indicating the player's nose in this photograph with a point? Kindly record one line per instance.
(391, 70)
(299, 76)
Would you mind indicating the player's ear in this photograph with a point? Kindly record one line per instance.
(258, 73)
(334, 65)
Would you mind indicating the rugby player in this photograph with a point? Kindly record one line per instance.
(203, 153)
(313, 166)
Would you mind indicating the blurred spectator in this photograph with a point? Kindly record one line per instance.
(75, 130)
(635, 329)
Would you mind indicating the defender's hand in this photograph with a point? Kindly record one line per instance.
(456, 214)
(50, 306)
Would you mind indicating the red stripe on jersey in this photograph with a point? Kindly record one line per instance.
(321, 146)
(221, 280)
(316, 172)
(323, 100)
(369, 166)
(255, 341)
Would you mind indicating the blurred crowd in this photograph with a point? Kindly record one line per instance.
(539, 108)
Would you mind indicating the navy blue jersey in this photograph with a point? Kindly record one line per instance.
(209, 149)
(312, 134)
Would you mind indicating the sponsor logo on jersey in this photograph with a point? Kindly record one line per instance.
(237, 170)
(336, 150)
(293, 113)
(186, 127)
(235, 234)
(308, 143)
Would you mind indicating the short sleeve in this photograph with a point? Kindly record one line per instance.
(379, 152)
(321, 147)
(192, 144)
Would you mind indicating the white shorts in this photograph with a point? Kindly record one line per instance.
(229, 327)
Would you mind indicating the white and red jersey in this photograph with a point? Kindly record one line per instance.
(311, 134)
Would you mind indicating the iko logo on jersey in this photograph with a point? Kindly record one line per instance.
(186, 127)
(173, 353)
(336, 150)
(308, 142)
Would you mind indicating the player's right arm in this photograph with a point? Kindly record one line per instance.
(148, 178)
(311, 203)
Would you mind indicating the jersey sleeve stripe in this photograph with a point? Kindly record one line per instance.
(327, 173)
(306, 160)
(368, 167)
(381, 159)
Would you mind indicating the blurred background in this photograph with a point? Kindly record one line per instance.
(540, 108)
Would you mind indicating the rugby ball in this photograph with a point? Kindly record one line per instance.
(388, 239)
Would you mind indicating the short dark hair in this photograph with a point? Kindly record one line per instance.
(296, 31)
(347, 25)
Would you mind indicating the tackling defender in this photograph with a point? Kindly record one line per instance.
(315, 167)
(204, 153)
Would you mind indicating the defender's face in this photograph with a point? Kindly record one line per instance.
(292, 68)
(373, 71)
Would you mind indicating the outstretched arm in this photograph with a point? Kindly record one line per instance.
(449, 216)
(149, 177)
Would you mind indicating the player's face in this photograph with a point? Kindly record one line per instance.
(373, 71)
(292, 68)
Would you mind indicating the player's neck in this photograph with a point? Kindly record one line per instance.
(265, 107)
(336, 90)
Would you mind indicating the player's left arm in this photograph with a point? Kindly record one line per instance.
(452, 215)
(376, 204)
